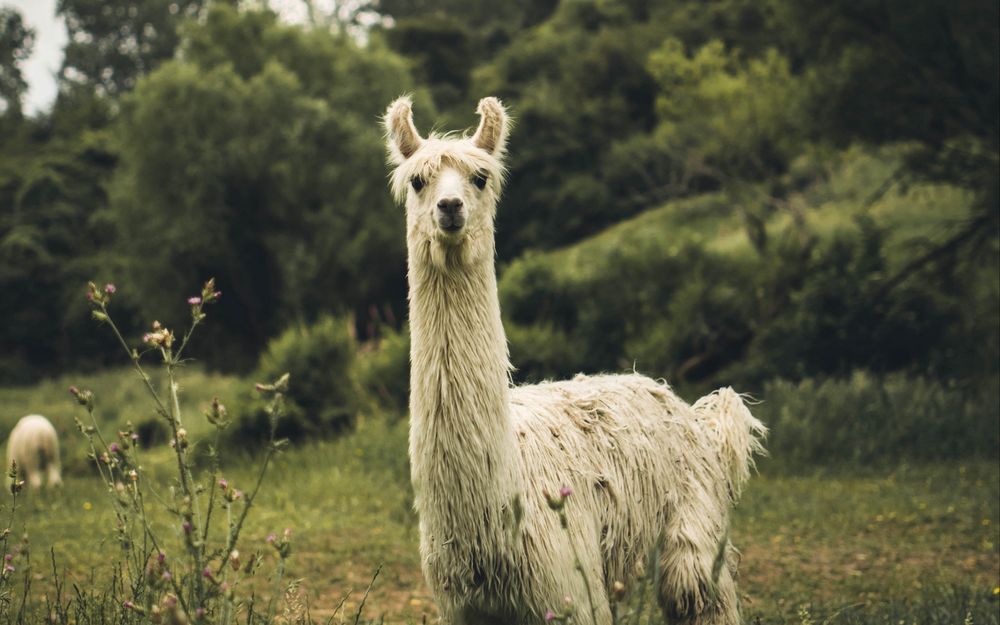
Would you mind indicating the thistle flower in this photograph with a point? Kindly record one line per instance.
(565, 492)
(549, 616)
(194, 301)
(109, 288)
(83, 396)
(187, 527)
(114, 448)
(234, 559)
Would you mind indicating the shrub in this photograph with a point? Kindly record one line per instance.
(323, 399)
(868, 420)
(383, 372)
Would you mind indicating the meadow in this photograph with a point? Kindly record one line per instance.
(831, 544)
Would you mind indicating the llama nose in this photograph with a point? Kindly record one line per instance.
(450, 205)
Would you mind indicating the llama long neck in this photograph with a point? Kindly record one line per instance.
(462, 448)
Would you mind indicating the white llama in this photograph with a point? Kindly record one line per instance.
(645, 468)
(34, 446)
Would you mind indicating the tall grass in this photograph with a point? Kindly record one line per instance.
(866, 420)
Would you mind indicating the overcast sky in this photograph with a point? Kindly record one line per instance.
(50, 37)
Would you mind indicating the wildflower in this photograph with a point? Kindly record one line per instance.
(161, 557)
(234, 559)
(223, 483)
(617, 591)
(565, 492)
(549, 616)
(133, 475)
(216, 414)
(114, 448)
(83, 396)
(87, 505)
(270, 539)
(167, 576)
(134, 437)
(207, 573)
(187, 527)
(8, 557)
(8, 568)
(109, 288)
(199, 613)
(129, 605)
(194, 301)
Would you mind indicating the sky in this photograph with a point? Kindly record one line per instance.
(42, 67)
(50, 36)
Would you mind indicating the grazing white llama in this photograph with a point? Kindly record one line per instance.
(645, 468)
(34, 446)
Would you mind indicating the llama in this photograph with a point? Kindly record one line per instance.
(645, 468)
(34, 446)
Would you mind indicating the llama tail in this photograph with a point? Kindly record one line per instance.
(739, 435)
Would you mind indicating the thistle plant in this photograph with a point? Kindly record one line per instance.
(196, 573)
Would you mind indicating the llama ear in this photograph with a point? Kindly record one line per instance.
(493, 126)
(402, 137)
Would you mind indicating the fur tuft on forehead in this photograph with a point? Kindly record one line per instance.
(438, 152)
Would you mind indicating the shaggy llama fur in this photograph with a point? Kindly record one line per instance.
(34, 446)
(646, 469)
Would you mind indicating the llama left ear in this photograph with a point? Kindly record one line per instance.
(494, 125)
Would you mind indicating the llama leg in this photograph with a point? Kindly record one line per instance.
(34, 479)
(696, 585)
(54, 474)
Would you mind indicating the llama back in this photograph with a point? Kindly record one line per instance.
(738, 434)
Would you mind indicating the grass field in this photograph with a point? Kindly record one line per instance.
(832, 545)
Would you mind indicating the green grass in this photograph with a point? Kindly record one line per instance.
(915, 543)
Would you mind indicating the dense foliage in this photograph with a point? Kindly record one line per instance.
(324, 397)
(723, 192)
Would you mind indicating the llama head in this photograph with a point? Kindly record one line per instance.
(449, 184)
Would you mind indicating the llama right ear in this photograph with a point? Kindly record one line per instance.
(401, 135)
(494, 125)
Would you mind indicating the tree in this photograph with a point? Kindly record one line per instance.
(113, 43)
(16, 42)
(257, 158)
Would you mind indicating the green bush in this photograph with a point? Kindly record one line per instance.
(383, 372)
(868, 420)
(323, 398)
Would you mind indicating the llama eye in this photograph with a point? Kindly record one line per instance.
(479, 179)
(417, 183)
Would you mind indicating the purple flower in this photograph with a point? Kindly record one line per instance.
(223, 483)
(8, 557)
(74, 391)
(194, 301)
(135, 437)
(8, 568)
(207, 573)
(161, 557)
(167, 576)
(187, 527)
(217, 295)
(565, 492)
(270, 539)
(549, 615)
(114, 448)
(109, 288)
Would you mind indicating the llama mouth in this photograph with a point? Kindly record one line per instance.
(452, 225)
